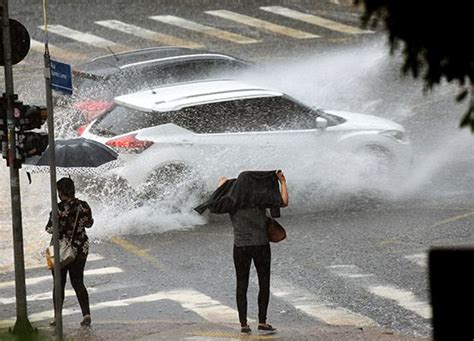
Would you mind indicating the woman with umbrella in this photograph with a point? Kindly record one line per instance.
(74, 217)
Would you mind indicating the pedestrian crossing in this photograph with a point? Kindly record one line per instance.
(211, 31)
(84, 37)
(372, 284)
(144, 33)
(318, 307)
(261, 24)
(304, 300)
(314, 20)
(156, 30)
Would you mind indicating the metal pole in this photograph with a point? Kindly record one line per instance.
(54, 200)
(22, 325)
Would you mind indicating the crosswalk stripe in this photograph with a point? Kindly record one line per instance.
(314, 20)
(211, 31)
(420, 258)
(91, 258)
(201, 304)
(147, 34)
(87, 38)
(43, 296)
(36, 280)
(404, 298)
(56, 52)
(258, 23)
(317, 307)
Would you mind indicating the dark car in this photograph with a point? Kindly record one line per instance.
(98, 81)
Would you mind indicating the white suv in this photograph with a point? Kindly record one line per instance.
(221, 127)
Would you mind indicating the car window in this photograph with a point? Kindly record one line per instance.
(148, 76)
(250, 115)
(245, 115)
(91, 87)
(187, 71)
(121, 120)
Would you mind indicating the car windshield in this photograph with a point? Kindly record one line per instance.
(245, 115)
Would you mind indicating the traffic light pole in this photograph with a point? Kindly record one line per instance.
(22, 325)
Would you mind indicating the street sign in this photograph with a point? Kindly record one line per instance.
(20, 41)
(61, 77)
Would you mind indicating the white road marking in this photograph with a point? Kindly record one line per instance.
(317, 307)
(201, 304)
(258, 23)
(86, 38)
(36, 280)
(420, 258)
(404, 298)
(147, 34)
(43, 296)
(211, 31)
(92, 257)
(56, 52)
(314, 20)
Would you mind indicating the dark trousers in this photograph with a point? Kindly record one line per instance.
(261, 256)
(76, 274)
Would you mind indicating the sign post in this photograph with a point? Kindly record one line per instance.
(48, 75)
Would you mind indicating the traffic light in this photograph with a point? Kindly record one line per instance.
(27, 143)
(30, 117)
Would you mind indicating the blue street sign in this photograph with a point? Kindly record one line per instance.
(61, 77)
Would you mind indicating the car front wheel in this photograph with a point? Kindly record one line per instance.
(173, 184)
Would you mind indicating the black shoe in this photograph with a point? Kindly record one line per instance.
(266, 327)
(245, 330)
(86, 322)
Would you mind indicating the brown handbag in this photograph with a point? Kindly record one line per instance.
(276, 232)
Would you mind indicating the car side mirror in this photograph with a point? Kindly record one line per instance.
(321, 123)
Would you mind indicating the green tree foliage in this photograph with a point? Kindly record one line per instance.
(436, 37)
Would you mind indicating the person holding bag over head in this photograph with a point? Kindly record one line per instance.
(74, 216)
(247, 199)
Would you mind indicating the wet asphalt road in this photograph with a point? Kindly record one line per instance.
(373, 238)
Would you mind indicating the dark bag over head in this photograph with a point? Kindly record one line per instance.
(276, 232)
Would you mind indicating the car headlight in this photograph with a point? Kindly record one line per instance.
(395, 134)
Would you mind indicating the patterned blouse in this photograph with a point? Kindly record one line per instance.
(67, 212)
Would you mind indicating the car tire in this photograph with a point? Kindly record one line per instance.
(107, 189)
(380, 160)
(175, 184)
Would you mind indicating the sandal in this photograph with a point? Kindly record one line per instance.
(266, 327)
(86, 322)
(245, 329)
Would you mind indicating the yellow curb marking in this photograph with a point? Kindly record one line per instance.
(233, 335)
(132, 248)
(456, 218)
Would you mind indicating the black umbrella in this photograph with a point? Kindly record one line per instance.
(78, 152)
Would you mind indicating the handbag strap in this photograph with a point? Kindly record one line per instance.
(75, 223)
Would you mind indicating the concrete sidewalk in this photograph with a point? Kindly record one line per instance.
(200, 331)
